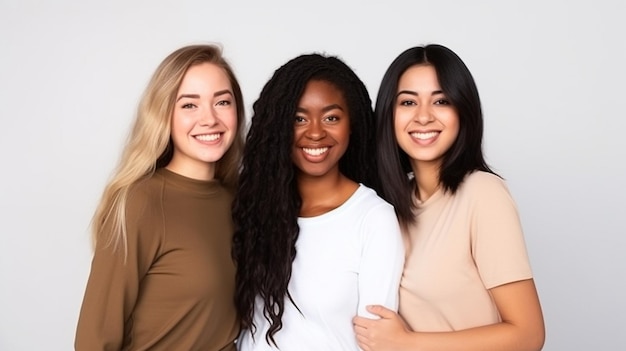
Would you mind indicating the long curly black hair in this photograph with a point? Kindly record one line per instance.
(267, 204)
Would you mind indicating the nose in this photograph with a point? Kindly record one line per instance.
(424, 115)
(208, 117)
(315, 130)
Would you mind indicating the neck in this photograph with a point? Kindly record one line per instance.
(323, 194)
(426, 178)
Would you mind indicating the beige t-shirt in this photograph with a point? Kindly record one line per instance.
(459, 247)
(174, 290)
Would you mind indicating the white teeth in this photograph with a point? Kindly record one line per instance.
(315, 152)
(208, 137)
(424, 136)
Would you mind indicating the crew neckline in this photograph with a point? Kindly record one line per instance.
(201, 187)
(336, 211)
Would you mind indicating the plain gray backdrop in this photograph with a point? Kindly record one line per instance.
(550, 73)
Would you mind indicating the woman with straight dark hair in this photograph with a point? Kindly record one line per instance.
(313, 242)
(467, 282)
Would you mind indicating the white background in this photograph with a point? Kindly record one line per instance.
(551, 76)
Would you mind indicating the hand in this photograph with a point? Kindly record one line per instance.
(387, 333)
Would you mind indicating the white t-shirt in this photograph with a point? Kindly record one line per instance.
(346, 259)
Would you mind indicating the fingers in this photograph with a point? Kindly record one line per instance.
(361, 338)
(381, 311)
(362, 321)
(360, 331)
(362, 342)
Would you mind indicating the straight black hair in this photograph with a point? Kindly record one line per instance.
(464, 156)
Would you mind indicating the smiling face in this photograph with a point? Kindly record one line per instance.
(204, 122)
(426, 124)
(321, 130)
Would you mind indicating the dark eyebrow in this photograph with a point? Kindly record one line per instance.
(325, 109)
(410, 92)
(406, 92)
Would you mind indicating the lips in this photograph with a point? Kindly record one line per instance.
(208, 137)
(424, 135)
(315, 151)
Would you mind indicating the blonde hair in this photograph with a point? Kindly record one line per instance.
(149, 145)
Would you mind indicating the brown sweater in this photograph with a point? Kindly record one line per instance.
(175, 289)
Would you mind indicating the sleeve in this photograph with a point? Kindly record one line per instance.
(497, 240)
(382, 260)
(113, 283)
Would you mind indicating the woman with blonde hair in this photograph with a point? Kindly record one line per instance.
(162, 277)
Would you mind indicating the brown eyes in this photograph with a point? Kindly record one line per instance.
(327, 119)
(413, 103)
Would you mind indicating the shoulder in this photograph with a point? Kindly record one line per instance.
(144, 194)
(378, 224)
(483, 184)
(482, 179)
(486, 192)
(145, 214)
(368, 198)
(374, 210)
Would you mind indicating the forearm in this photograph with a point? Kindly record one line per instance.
(496, 337)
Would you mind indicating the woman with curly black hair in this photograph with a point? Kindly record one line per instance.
(314, 244)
